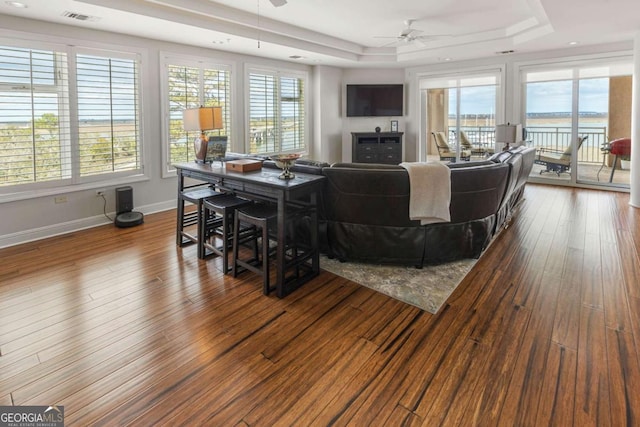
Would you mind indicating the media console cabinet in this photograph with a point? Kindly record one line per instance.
(376, 147)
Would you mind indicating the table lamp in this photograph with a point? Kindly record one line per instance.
(508, 134)
(202, 119)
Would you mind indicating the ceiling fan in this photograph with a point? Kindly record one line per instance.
(408, 35)
(278, 3)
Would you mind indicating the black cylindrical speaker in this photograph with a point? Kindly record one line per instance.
(124, 199)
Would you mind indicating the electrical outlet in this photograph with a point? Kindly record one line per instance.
(60, 199)
(99, 193)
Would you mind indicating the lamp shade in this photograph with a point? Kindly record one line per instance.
(507, 133)
(202, 118)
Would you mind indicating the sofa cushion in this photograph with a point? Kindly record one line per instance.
(367, 194)
(477, 192)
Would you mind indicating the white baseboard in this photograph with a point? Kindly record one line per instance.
(76, 225)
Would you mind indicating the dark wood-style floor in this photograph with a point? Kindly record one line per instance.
(123, 328)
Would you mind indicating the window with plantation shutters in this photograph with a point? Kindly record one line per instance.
(34, 122)
(67, 117)
(190, 84)
(276, 113)
(108, 119)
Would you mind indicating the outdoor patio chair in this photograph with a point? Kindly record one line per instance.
(444, 151)
(480, 150)
(555, 160)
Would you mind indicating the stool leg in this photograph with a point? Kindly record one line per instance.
(255, 244)
(225, 241)
(180, 222)
(265, 259)
(236, 233)
(201, 226)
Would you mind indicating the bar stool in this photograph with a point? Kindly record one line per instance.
(186, 219)
(219, 212)
(262, 216)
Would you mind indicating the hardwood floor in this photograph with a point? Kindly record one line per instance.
(123, 328)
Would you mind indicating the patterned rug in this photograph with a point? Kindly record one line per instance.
(427, 288)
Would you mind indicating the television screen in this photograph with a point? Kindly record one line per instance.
(375, 100)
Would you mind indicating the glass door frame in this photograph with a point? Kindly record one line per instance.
(499, 70)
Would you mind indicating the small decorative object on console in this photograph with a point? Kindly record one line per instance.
(216, 149)
(284, 162)
(244, 165)
(378, 129)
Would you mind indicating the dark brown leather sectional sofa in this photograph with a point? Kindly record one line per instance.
(364, 209)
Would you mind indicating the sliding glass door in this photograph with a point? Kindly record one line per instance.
(571, 113)
(460, 115)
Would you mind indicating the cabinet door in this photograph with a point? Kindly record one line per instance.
(392, 158)
(367, 157)
(367, 148)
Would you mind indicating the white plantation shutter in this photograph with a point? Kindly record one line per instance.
(276, 113)
(292, 114)
(34, 121)
(189, 86)
(183, 93)
(51, 136)
(263, 109)
(109, 122)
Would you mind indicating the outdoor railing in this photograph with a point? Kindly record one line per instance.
(555, 138)
(559, 138)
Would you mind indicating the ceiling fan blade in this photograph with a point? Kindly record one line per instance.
(278, 3)
(393, 43)
(432, 36)
(410, 32)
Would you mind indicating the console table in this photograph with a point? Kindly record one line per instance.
(265, 185)
(376, 147)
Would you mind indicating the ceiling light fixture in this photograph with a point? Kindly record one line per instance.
(573, 43)
(17, 4)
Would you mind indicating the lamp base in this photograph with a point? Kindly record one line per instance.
(200, 148)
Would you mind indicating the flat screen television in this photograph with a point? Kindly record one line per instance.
(373, 100)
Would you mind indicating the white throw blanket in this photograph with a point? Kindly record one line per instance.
(430, 192)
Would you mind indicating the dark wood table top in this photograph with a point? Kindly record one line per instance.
(266, 177)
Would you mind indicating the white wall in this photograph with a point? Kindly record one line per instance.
(327, 107)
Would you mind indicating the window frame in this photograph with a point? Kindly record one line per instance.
(172, 59)
(76, 182)
(118, 55)
(278, 73)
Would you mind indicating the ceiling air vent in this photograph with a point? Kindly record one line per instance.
(80, 16)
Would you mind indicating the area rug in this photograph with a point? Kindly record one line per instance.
(427, 288)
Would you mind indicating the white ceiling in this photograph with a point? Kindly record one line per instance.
(355, 33)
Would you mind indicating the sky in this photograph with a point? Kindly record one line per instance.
(542, 97)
